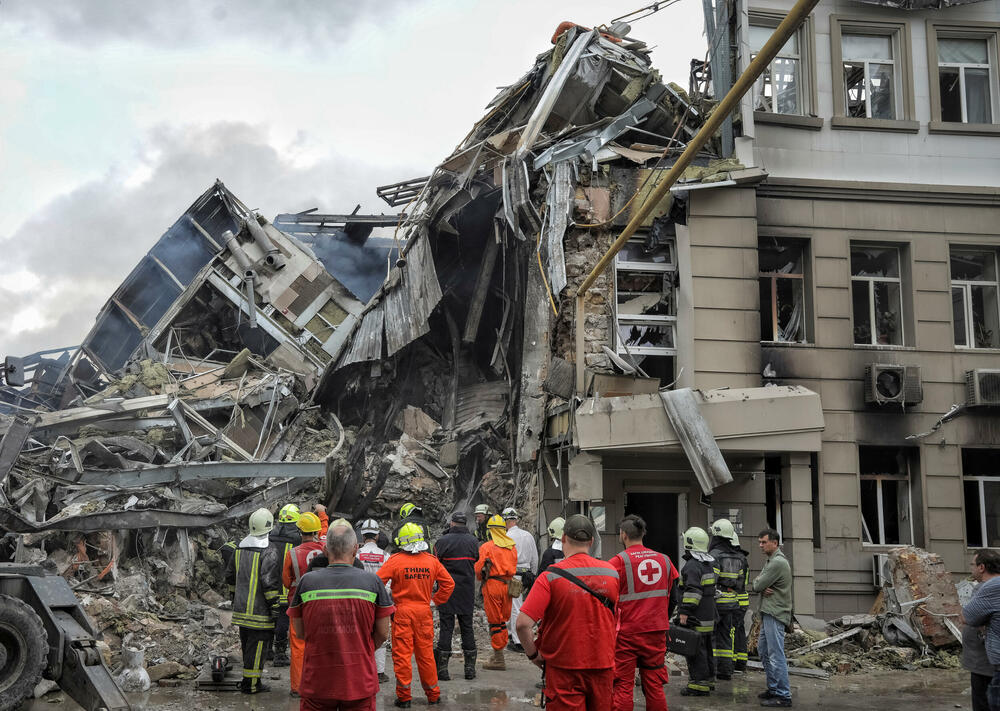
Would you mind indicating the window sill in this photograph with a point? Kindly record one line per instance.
(811, 123)
(865, 124)
(785, 344)
(986, 351)
(876, 347)
(964, 129)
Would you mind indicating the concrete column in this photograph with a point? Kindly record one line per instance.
(797, 528)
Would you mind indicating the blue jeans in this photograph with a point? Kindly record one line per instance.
(993, 691)
(771, 648)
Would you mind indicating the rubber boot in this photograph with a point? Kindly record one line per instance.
(470, 663)
(441, 660)
(496, 662)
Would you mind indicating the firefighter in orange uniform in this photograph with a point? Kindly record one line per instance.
(412, 573)
(496, 565)
(296, 565)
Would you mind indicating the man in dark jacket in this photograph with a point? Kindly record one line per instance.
(283, 539)
(482, 516)
(554, 552)
(458, 551)
(697, 609)
(731, 572)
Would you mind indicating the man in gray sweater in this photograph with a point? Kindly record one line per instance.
(775, 587)
(983, 610)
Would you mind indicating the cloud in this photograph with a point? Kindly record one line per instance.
(82, 244)
(191, 23)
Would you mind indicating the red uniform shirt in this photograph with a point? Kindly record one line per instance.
(296, 564)
(575, 630)
(644, 581)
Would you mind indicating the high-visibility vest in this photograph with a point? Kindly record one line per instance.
(644, 592)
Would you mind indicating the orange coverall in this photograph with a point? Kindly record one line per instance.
(412, 576)
(303, 553)
(496, 601)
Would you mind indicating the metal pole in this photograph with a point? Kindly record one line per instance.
(768, 52)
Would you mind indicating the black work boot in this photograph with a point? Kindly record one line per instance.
(280, 656)
(470, 663)
(441, 660)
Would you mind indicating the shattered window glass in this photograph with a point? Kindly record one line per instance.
(964, 70)
(782, 290)
(640, 336)
(779, 88)
(974, 296)
(876, 295)
(645, 298)
(885, 495)
(645, 293)
(869, 76)
(981, 484)
(641, 253)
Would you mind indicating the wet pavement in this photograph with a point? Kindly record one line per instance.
(925, 689)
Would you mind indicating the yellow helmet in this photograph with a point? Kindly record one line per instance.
(289, 514)
(409, 533)
(309, 523)
(409, 509)
(496, 521)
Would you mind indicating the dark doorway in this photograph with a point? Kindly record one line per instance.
(659, 511)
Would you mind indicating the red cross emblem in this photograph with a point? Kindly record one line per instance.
(650, 571)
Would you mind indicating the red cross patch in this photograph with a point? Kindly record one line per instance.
(650, 571)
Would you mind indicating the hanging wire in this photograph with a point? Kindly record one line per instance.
(651, 9)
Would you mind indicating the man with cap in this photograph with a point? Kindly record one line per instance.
(296, 564)
(458, 551)
(554, 552)
(482, 516)
(527, 564)
(573, 603)
(697, 609)
(645, 579)
(496, 566)
(284, 537)
(372, 556)
(254, 574)
(730, 583)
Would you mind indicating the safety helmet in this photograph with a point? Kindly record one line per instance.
(695, 539)
(369, 525)
(289, 514)
(409, 533)
(496, 521)
(723, 528)
(409, 509)
(556, 527)
(509, 513)
(261, 522)
(483, 509)
(309, 523)
(735, 540)
(340, 522)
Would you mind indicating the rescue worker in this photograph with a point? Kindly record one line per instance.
(296, 564)
(458, 551)
(284, 537)
(527, 564)
(697, 609)
(411, 513)
(254, 573)
(574, 606)
(740, 631)
(372, 557)
(645, 578)
(496, 566)
(482, 514)
(731, 576)
(554, 552)
(342, 614)
(412, 572)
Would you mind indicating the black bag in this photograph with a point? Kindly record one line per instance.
(683, 640)
(576, 581)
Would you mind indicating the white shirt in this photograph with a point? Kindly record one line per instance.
(527, 550)
(371, 556)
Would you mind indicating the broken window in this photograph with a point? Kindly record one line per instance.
(772, 492)
(886, 508)
(782, 290)
(870, 76)
(876, 295)
(981, 479)
(965, 79)
(974, 290)
(779, 89)
(645, 299)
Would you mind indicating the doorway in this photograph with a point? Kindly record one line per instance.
(662, 513)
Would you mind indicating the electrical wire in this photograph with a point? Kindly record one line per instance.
(653, 8)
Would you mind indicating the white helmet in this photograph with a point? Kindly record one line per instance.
(509, 513)
(369, 525)
(261, 522)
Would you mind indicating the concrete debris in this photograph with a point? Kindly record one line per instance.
(916, 575)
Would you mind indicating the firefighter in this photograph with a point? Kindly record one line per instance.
(740, 632)
(554, 552)
(254, 573)
(296, 564)
(372, 557)
(731, 577)
(283, 538)
(496, 566)
(412, 572)
(482, 514)
(645, 578)
(697, 609)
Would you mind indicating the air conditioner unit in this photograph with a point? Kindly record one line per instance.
(982, 387)
(881, 575)
(896, 384)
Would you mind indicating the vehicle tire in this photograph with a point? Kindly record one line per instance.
(23, 651)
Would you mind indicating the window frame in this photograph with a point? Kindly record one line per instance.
(981, 481)
(989, 31)
(804, 245)
(899, 32)
(872, 315)
(907, 479)
(668, 270)
(808, 97)
(966, 286)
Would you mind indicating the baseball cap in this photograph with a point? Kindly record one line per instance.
(459, 517)
(510, 513)
(579, 528)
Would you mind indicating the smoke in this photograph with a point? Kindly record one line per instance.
(360, 268)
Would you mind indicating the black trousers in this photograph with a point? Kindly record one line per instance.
(255, 644)
(281, 633)
(701, 665)
(740, 640)
(979, 685)
(723, 642)
(448, 629)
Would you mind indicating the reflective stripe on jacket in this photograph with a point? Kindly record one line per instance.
(732, 570)
(698, 591)
(255, 573)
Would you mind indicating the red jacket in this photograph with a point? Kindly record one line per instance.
(644, 580)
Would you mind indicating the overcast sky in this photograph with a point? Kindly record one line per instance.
(116, 115)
